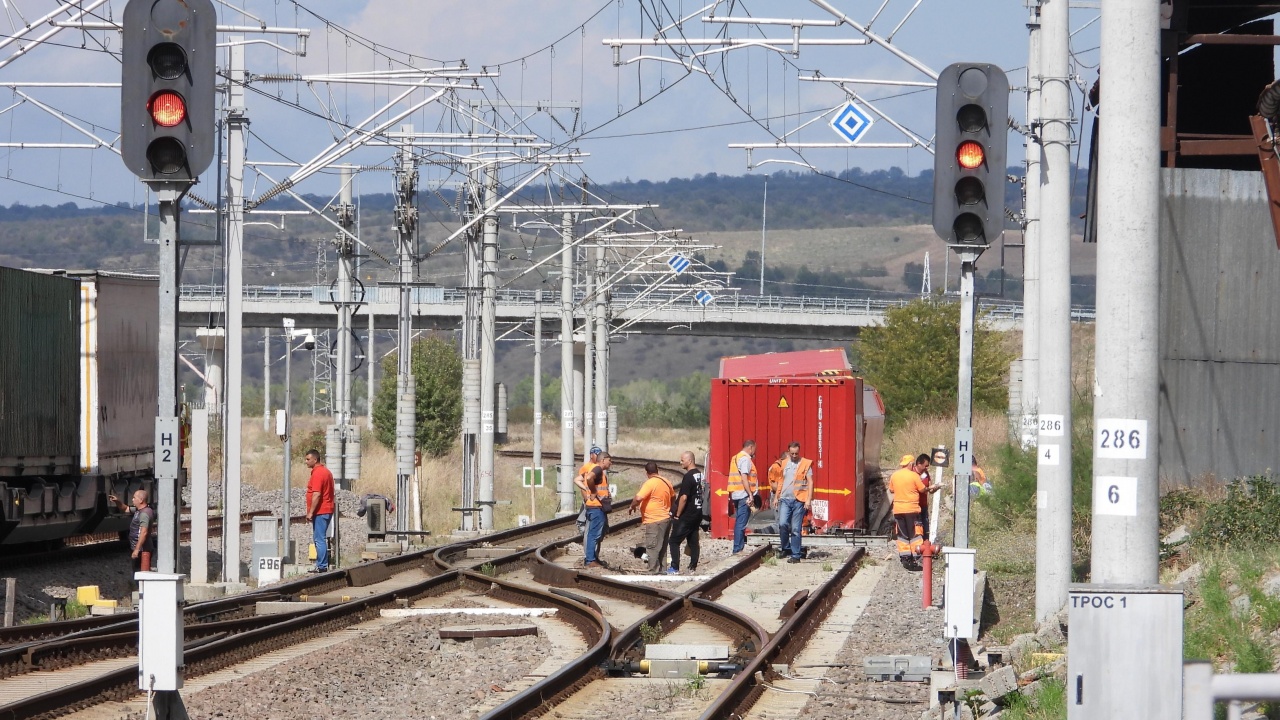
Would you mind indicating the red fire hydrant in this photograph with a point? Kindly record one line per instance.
(927, 555)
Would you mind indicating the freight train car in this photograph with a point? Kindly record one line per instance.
(77, 400)
(837, 420)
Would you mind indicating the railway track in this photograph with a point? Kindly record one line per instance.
(612, 619)
(93, 544)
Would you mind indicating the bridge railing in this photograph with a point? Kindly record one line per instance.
(996, 310)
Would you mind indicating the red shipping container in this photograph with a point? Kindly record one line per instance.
(825, 415)
(801, 363)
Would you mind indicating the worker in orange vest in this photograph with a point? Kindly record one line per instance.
(793, 497)
(744, 485)
(907, 489)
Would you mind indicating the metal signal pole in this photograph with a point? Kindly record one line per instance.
(1031, 241)
(237, 131)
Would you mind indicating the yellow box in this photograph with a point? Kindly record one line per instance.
(311, 551)
(1040, 659)
(105, 603)
(87, 595)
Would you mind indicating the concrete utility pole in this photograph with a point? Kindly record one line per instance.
(471, 359)
(406, 404)
(1053, 480)
(266, 379)
(564, 484)
(537, 378)
(343, 436)
(371, 359)
(488, 335)
(237, 128)
(602, 351)
(1031, 241)
(588, 353)
(1126, 489)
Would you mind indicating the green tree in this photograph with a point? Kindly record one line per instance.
(914, 359)
(437, 372)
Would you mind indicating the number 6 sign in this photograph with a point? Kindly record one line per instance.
(1115, 496)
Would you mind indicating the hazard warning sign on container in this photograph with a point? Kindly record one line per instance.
(782, 402)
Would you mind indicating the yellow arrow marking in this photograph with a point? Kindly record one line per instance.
(824, 491)
(722, 493)
(782, 402)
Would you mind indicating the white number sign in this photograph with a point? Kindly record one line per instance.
(1115, 496)
(1047, 455)
(1120, 439)
(1052, 425)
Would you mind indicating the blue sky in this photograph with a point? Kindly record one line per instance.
(652, 139)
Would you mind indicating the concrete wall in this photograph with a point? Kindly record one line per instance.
(1219, 327)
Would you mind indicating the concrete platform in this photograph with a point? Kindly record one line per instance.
(278, 607)
(202, 592)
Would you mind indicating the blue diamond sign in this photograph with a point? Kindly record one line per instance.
(679, 263)
(703, 297)
(851, 123)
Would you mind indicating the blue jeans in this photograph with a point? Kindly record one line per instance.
(320, 535)
(790, 520)
(595, 531)
(741, 514)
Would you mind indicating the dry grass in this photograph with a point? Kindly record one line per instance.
(922, 434)
(440, 478)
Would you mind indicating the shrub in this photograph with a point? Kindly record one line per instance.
(1245, 517)
(437, 371)
(912, 361)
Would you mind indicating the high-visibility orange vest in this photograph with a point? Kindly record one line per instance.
(602, 490)
(735, 476)
(777, 477)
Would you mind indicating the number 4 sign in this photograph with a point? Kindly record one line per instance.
(1047, 455)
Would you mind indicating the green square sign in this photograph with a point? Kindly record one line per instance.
(532, 477)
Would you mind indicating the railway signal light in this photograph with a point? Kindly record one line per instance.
(167, 88)
(969, 154)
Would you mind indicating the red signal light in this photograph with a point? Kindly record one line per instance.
(970, 155)
(167, 108)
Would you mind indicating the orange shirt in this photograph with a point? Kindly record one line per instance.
(906, 488)
(655, 500)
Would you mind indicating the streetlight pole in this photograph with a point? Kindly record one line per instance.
(764, 225)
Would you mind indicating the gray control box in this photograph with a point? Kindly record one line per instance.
(1124, 656)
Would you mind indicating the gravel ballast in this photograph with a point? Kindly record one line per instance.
(404, 670)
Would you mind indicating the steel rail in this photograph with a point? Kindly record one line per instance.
(669, 611)
(204, 656)
(745, 688)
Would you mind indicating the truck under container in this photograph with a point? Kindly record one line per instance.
(825, 415)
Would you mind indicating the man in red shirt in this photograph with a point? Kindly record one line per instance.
(319, 507)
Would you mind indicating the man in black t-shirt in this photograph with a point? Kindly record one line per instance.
(142, 534)
(686, 509)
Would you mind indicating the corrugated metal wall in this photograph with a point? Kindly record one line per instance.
(128, 333)
(39, 365)
(1219, 325)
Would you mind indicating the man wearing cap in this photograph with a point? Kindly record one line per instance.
(907, 489)
(584, 473)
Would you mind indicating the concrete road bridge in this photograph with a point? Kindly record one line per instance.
(665, 311)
